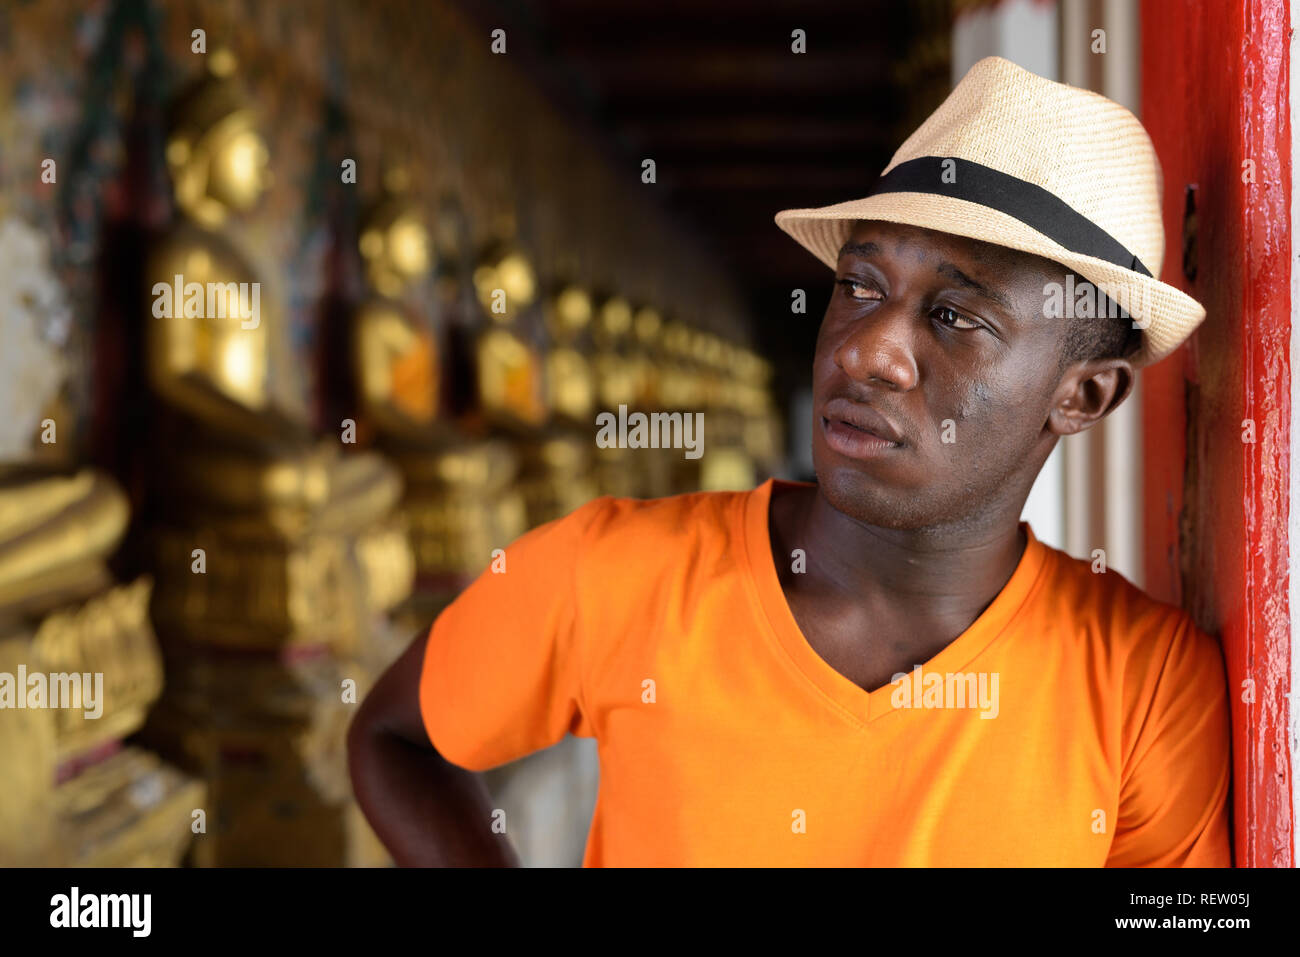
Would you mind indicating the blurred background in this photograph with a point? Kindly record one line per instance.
(474, 225)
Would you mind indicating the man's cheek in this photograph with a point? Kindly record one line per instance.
(975, 402)
(823, 364)
(971, 429)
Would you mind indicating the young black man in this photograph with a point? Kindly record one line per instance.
(885, 667)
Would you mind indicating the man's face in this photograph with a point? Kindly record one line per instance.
(944, 339)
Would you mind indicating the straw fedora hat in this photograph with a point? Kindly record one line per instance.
(1013, 159)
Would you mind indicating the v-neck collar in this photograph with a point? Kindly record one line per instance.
(856, 703)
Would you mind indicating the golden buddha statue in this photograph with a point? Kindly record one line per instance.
(617, 468)
(556, 475)
(510, 374)
(647, 329)
(214, 343)
(74, 795)
(462, 507)
(614, 370)
(244, 455)
(570, 379)
(397, 361)
(646, 362)
(683, 387)
(458, 501)
(463, 501)
(727, 463)
(764, 433)
(269, 541)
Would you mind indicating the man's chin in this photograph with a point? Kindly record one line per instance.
(862, 498)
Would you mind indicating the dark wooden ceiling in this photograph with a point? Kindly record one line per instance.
(739, 126)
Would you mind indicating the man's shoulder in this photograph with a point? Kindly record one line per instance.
(614, 540)
(611, 522)
(1107, 606)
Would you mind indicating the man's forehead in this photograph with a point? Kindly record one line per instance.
(1001, 275)
(899, 238)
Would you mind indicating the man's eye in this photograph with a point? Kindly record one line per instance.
(856, 289)
(955, 317)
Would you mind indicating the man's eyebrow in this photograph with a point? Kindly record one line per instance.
(870, 249)
(952, 272)
(859, 249)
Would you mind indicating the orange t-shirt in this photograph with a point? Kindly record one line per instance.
(1077, 722)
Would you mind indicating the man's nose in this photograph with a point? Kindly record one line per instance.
(880, 348)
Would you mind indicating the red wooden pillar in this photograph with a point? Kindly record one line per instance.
(1216, 100)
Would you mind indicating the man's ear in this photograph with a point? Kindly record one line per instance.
(1089, 391)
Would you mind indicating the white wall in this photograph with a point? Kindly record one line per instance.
(1023, 31)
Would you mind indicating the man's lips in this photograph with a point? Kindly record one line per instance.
(855, 443)
(862, 418)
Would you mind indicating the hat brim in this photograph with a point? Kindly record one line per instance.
(1166, 314)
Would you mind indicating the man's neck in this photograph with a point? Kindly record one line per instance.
(932, 574)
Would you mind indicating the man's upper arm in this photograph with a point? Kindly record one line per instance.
(502, 670)
(1173, 808)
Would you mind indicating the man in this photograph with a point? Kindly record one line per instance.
(886, 667)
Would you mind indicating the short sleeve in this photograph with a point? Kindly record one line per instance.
(502, 672)
(1173, 809)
